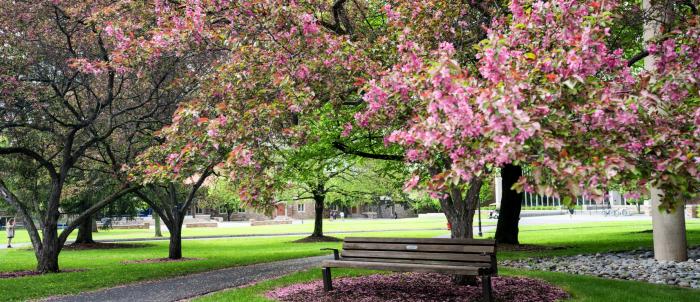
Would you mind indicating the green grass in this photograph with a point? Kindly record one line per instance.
(576, 238)
(587, 238)
(348, 225)
(105, 268)
(581, 288)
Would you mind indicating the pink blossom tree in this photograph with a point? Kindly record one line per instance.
(542, 89)
(554, 97)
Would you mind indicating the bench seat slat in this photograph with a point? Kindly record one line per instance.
(421, 240)
(416, 255)
(404, 267)
(476, 249)
(415, 261)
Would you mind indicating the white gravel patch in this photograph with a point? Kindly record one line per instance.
(637, 265)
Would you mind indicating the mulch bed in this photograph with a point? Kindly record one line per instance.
(19, 274)
(103, 246)
(415, 287)
(311, 239)
(160, 260)
(527, 247)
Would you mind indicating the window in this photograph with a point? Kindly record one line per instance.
(241, 210)
(301, 207)
(223, 210)
(200, 210)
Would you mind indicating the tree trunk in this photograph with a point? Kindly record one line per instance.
(156, 219)
(85, 231)
(319, 206)
(47, 256)
(509, 215)
(668, 228)
(460, 211)
(175, 248)
(668, 231)
(193, 208)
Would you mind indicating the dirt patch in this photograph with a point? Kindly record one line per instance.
(160, 260)
(527, 247)
(313, 239)
(19, 274)
(417, 288)
(103, 246)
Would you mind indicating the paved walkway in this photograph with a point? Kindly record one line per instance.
(166, 238)
(190, 286)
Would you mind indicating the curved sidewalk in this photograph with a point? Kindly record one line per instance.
(189, 286)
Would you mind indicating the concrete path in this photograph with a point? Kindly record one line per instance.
(190, 286)
(166, 238)
(580, 217)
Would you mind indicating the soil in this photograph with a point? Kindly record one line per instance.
(103, 246)
(527, 247)
(417, 288)
(312, 239)
(19, 274)
(160, 260)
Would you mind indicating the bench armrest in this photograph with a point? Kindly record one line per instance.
(336, 254)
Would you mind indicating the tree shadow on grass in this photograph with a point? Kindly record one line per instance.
(103, 246)
(314, 239)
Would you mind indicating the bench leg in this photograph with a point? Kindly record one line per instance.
(486, 287)
(327, 284)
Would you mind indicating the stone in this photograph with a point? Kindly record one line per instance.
(637, 265)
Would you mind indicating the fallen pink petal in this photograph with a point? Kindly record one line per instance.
(415, 287)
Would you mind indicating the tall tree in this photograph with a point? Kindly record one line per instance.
(222, 194)
(63, 98)
(311, 166)
(458, 99)
(309, 54)
(558, 99)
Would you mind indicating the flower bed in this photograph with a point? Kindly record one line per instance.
(414, 287)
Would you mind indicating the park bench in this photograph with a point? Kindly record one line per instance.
(468, 257)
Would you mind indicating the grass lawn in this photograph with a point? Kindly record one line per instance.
(582, 288)
(104, 268)
(347, 225)
(576, 238)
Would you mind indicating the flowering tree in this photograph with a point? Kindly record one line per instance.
(542, 88)
(283, 60)
(555, 97)
(63, 103)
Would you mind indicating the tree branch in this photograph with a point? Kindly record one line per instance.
(33, 155)
(11, 199)
(347, 150)
(638, 57)
(93, 209)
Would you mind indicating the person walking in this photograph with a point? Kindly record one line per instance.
(10, 229)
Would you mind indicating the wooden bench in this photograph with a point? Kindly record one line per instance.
(469, 257)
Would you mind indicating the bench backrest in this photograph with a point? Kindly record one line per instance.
(436, 251)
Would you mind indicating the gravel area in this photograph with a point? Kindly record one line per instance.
(189, 286)
(638, 265)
